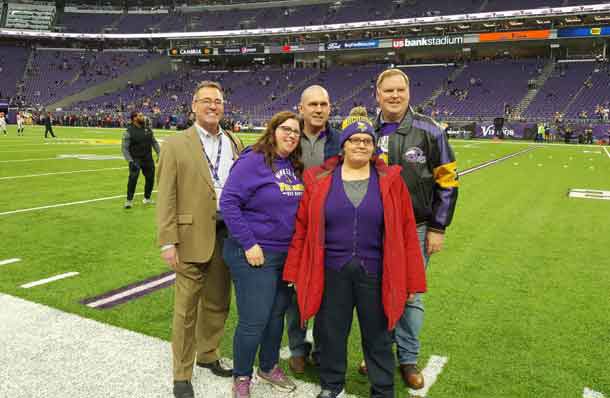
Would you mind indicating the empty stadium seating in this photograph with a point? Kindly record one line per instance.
(303, 15)
(57, 74)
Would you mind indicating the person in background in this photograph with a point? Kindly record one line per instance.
(48, 125)
(20, 123)
(2, 123)
(137, 145)
(259, 204)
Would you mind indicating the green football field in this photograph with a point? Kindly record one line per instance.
(518, 301)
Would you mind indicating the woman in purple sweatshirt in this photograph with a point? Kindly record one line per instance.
(259, 204)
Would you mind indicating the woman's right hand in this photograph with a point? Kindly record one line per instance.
(255, 256)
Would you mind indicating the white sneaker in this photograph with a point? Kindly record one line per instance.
(148, 201)
(128, 204)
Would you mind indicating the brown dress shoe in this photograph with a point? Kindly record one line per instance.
(412, 377)
(362, 369)
(297, 364)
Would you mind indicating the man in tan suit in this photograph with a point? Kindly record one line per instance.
(193, 168)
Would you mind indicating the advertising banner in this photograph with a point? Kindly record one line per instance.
(428, 41)
(461, 130)
(509, 130)
(515, 36)
(520, 130)
(294, 48)
(352, 45)
(584, 32)
(190, 52)
(245, 50)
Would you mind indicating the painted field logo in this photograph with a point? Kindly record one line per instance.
(415, 155)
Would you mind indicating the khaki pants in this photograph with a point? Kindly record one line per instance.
(202, 301)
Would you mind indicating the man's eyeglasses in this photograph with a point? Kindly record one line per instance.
(360, 141)
(209, 101)
(286, 130)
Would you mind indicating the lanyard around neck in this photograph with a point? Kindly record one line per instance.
(215, 167)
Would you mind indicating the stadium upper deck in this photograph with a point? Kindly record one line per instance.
(188, 19)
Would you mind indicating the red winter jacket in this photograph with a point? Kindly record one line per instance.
(403, 267)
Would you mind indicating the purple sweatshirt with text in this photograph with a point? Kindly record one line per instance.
(259, 205)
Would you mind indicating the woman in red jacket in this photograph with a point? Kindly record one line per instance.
(355, 245)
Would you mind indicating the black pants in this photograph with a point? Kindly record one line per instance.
(48, 129)
(343, 290)
(148, 169)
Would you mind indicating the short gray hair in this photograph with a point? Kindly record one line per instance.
(208, 83)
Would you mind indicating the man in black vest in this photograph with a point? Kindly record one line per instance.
(138, 141)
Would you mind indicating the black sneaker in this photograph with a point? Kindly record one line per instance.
(331, 394)
(183, 389)
(220, 367)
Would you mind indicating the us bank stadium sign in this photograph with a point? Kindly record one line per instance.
(428, 41)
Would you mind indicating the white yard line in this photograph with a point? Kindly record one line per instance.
(97, 360)
(49, 280)
(60, 172)
(80, 202)
(607, 153)
(433, 368)
(492, 162)
(29, 160)
(64, 146)
(575, 146)
(9, 261)
(588, 393)
(130, 292)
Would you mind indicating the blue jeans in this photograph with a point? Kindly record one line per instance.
(406, 334)
(299, 347)
(262, 298)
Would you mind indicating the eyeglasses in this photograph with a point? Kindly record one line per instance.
(209, 101)
(289, 131)
(360, 141)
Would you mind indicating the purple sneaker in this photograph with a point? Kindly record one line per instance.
(241, 387)
(277, 378)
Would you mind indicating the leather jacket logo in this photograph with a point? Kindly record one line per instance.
(415, 155)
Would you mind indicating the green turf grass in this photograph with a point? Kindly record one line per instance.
(518, 298)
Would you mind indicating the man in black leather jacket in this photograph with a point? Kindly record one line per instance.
(420, 146)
